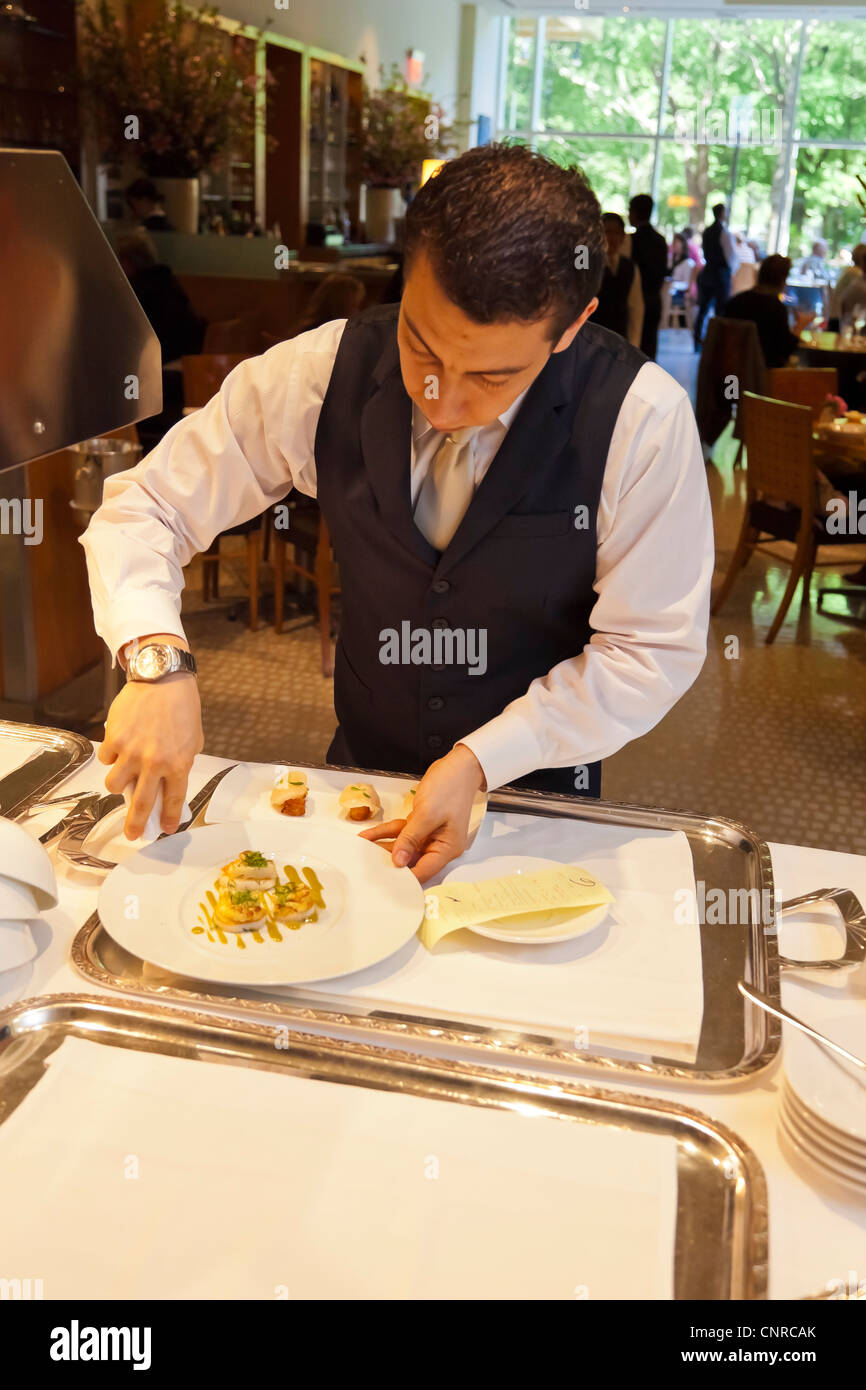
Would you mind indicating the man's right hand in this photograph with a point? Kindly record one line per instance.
(152, 734)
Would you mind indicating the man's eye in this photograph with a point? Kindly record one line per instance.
(491, 382)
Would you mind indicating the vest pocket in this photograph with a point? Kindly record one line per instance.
(528, 524)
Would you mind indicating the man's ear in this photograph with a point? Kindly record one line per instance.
(573, 329)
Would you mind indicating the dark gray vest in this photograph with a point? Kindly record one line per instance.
(518, 568)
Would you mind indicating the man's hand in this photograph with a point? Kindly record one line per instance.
(436, 832)
(152, 734)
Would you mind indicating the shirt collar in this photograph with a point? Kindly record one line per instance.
(421, 425)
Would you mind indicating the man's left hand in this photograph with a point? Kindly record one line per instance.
(437, 830)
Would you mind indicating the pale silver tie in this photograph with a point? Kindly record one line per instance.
(447, 490)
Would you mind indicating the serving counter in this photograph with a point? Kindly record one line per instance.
(513, 1060)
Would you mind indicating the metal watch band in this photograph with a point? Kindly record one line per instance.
(181, 661)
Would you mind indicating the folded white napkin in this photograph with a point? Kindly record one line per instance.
(17, 946)
(152, 829)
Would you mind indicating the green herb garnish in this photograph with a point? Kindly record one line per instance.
(243, 896)
(254, 859)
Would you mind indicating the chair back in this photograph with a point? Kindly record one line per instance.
(204, 375)
(803, 386)
(731, 363)
(239, 335)
(779, 463)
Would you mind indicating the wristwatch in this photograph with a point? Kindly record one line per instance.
(156, 660)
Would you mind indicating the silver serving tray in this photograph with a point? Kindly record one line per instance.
(736, 1040)
(721, 1230)
(62, 752)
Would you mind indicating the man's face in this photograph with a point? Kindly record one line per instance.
(459, 372)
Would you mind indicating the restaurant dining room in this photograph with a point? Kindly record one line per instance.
(432, 668)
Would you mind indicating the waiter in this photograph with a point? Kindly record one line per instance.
(517, 501)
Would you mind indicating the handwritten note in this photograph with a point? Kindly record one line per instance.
(454, 905)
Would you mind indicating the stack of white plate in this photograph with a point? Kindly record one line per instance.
(823, 1114)
(27, 889)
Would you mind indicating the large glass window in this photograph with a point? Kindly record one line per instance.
(766, 115)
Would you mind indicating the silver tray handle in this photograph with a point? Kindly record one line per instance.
(853, 920)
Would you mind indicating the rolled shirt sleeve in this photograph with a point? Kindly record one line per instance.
(653, 574)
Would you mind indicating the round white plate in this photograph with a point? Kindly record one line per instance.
(826, 1084)
(845, 1145)
(150, 905)
(827, 1164)
(528, 929)
(25, 861)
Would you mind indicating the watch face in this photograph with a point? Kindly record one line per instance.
(153, 662)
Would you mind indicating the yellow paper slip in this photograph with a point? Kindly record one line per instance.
(455, 905)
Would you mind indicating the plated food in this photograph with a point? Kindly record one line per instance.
(290, 791)
(249, 894)
(409, 802)
(359, 801)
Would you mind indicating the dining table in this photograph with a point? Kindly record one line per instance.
(846, 352)
(817, 1230)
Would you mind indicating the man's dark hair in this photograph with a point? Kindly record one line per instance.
(688, 233)
(504, 228)
(143, 188)
(615, 218)
(774, 271)
(640, 209)
(718, 209)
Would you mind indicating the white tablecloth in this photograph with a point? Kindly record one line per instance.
(817, 1234)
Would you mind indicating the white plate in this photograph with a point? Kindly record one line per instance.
(150, 905)
(846, 1143)
(828, 1164)
(24, 860)
(534, 928)
(825, 1083)
(825, 1139)
(245, 794)
(17, 946)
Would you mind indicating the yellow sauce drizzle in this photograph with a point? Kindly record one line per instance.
(293, 878)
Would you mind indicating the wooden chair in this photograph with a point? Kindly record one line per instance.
(803, 386)
(779, 466)
(309, 535)
(731, 365)
(203, 375)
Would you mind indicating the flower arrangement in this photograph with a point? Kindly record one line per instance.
(191, 94)
(401, 129)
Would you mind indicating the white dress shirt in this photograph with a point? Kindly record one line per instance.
(256, 438)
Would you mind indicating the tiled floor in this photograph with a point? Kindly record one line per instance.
(773, 736)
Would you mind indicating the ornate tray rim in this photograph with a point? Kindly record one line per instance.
(42, 773)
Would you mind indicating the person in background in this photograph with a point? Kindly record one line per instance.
(847, 277)
(145, 204)
(681, 270)
(816, 264)
(720, 262)
(649, 251)
(178, 328)
(852, 300)
(620, 298)
(745, 277)
(338, 297)
(764, 307)
(692, 246)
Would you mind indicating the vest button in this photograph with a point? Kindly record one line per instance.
(435, 702)
(441, 586)
(439, 622)
(434, 741)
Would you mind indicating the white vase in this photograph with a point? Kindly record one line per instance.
(384, 205)
(181, 201)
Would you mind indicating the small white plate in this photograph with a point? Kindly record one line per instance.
(825, 1141)
(826, 1165)
(17, 900)
(17, 946)
(825, 1083)
(150, 905)
(533, 928)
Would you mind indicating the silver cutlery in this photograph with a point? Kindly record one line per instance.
(82, 823)
(756, 997)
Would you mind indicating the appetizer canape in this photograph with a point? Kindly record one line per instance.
(289, 793)
(290, 903)
(251, 869)
(360, 801)
(239, 909)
